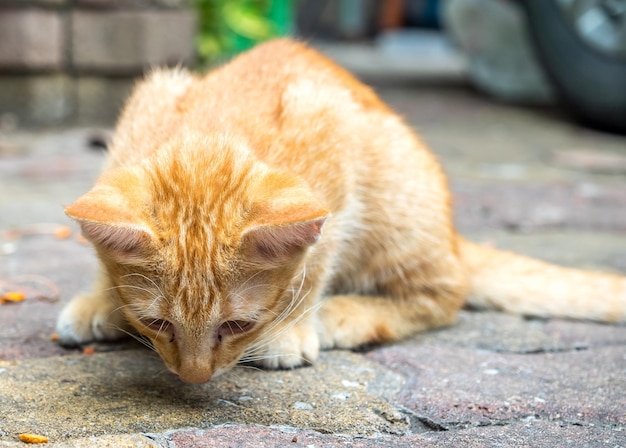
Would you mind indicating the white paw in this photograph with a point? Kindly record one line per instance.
(294, 347)
(87, 318)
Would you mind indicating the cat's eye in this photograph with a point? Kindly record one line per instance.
(232, 327)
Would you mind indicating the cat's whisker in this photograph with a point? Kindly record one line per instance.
(256, 359)
(269, 337)
(138, 309)
(119, 308)
(269, 311)
(297, 299)
(160, 373)
(263, 357)
(297, 318)
(112, 288)
(251, 278)
(303, 273)
(139, 338)
(236, 372)
(240, 293)
(238, 369)
(247, 366)
(152, 306)
(148, 279)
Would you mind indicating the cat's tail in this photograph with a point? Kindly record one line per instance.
(522, 285)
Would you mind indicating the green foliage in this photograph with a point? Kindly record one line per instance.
(227, 27)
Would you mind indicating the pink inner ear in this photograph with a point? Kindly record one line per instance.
(110, 215)
(124, 242)
(276, 245)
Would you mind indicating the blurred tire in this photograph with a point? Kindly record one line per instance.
(591, 82)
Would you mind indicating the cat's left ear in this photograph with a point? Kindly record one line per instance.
(108, 217)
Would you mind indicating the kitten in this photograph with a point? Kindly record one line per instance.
(275, 207)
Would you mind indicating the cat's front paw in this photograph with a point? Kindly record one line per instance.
(292, 346)
(89, 318)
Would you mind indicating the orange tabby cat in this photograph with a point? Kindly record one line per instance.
(275, 207)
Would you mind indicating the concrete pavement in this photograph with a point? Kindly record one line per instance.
(523, 179)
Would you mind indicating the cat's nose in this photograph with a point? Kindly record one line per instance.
(195, 378)
(195, 375)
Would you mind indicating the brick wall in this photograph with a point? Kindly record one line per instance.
(75, 61)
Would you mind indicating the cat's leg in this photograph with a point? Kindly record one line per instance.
(92, 317)
(293, 339)
(290, 342)
(413, 304)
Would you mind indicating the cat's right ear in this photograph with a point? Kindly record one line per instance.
(284, 223)
(273, 246)
(108, 220)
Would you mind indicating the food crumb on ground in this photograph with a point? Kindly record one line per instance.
(62, 232)
(12, 297)
(32, 438)
(89, 350)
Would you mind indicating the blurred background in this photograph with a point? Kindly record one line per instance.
(72, 62)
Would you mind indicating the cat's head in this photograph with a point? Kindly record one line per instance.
(204, 248)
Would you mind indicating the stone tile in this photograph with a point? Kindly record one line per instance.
(458, 387)
(68, 267)
(44, 173)
(130, 42)
(100, 100)
(135, 4)
(124, 392)
(260, 436)
(529, 434)
(583, 249)
(497, 332)
(48, 3)
(50, 100)
(590, 159)
(540, 205)
(31, 39)
(105, 441)
(37, 100)
(109, 441)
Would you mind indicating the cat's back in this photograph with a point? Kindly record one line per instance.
(275, 79)
(254, 95)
